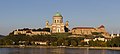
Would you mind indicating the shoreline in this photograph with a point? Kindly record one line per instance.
(35, 46)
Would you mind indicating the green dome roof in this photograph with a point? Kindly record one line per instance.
(57, 14)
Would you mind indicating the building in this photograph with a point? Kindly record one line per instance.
(114, 35)
(100, 38)
(30, 32)
(57, 25)
(97, 38)
(89, 30)
(87, 40)
(40, 43)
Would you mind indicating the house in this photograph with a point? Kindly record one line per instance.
(40, 43)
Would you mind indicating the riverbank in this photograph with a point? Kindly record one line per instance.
(36, 46)
(26, 46)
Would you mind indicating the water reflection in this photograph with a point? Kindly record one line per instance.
(55, 51)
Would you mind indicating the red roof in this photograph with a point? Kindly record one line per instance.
(84, 28)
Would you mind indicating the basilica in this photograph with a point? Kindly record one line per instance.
(57, 25)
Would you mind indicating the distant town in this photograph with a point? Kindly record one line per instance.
(58, 33)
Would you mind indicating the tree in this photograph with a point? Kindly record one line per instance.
(54, 43)
(1, 41)
(60, 41)
(97, 43)
(66, 42)
(114, 42)
(96, 33)
(66, 29)
(6, 42)
(46, 29)
(74, 43)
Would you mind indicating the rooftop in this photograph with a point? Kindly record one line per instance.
(102, 26)
(84, 28)
(58, 14)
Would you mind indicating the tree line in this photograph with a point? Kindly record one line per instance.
(58, 40)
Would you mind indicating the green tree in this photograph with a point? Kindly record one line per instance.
(60, 41)
(66, 42)
(54, 43)
(74, 43)
(97, 43)
(96, 33)
(114, 42)
(1, 41)
(46, 29)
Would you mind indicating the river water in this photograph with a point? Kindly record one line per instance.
(55, 51)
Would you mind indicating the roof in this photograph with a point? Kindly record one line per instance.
(84, 28)
(58, 14)
(102, 26)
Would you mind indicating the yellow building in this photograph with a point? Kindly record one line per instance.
(30, 32)
(89, 30)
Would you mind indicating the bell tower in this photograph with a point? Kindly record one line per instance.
(67, 24)
(47, 24)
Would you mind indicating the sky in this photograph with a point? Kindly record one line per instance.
(16, 14)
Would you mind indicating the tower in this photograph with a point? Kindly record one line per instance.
(47, 24)
(67, 24)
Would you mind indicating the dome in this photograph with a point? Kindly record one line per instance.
(57, 14)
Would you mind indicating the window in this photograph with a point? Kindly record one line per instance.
(55, 21)
(60, 21)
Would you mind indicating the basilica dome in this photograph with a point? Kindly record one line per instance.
(58, 14)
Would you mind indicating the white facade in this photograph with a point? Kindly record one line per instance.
(41, 43)
(100, 39)
(87, 40)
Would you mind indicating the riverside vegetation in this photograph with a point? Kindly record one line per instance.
(57, 40)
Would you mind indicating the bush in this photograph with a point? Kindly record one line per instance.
(74, 43)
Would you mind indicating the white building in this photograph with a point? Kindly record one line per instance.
(40, 43)
(97, 38)
(100, 38)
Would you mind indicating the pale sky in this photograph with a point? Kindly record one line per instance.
(15, 14)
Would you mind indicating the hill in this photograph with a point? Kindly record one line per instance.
(2, 36)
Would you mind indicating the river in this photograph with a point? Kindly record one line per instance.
(55, 51)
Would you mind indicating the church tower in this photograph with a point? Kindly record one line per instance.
(67, 24)
(57, 25)
(47, 24)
